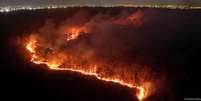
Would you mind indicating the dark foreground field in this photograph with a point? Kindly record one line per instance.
(169, 40)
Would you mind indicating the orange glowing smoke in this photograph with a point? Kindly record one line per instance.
(55, 64)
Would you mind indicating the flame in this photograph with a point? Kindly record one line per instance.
(31, 46)
(141, 93)
(73, 34)
(55, 64)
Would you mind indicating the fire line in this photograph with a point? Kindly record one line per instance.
(31, 47)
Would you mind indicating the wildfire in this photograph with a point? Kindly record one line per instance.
(31, 46)
(73, 33)
(53, 64)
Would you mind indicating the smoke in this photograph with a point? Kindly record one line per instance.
(106, 35)
(109, 41)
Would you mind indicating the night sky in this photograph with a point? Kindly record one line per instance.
(93, 2)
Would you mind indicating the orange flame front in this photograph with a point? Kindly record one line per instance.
(74, 33)
(54, 64)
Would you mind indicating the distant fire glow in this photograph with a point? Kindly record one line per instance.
(73, 33)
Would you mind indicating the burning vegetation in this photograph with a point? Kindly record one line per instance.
(96, 46)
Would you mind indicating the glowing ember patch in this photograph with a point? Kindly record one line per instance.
(56, 65)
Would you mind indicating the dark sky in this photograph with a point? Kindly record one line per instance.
(92, 2)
